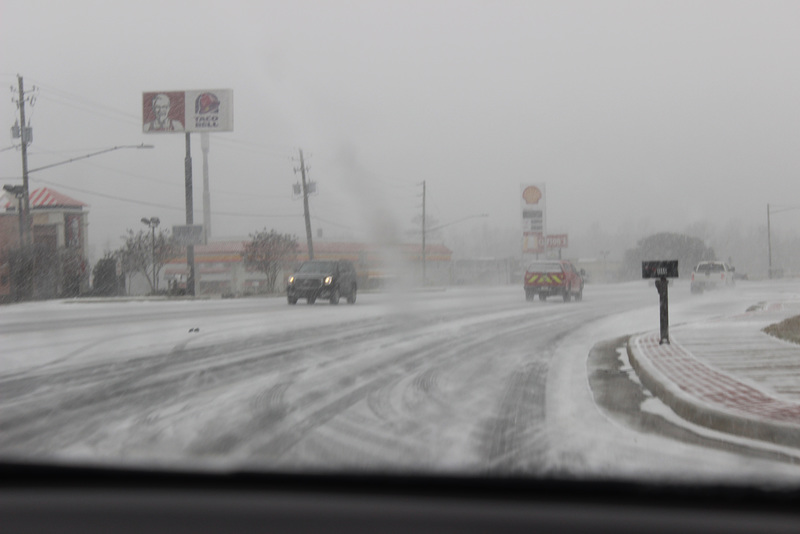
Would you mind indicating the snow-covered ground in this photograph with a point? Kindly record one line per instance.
(467, 379)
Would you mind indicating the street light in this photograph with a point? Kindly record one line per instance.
(153, 222)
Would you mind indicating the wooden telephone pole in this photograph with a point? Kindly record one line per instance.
(305, 206)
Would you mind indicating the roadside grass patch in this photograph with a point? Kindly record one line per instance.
(788, 330)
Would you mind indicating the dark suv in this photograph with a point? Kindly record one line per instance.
(322, 279)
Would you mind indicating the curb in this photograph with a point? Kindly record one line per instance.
(155, 298)
(695, 411)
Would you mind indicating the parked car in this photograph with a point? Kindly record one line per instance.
(323, 279)
(711, 274)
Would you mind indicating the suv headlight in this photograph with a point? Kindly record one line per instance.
(291, 280)
(328, 280)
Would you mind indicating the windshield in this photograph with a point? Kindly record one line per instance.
(710, 268)
(168, 165)
(317, 267)
(544, 267)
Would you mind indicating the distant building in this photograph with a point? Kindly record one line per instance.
(487, 271)
(59, 230)
(220, 267)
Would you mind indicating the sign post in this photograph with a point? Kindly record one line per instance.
(186, 235)
(661, 270)
(534, 218)
(201, 111)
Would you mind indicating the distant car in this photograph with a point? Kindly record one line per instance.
(711, 274)
(322, 279)
(553, 278)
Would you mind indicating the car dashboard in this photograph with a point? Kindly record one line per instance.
(35, 498)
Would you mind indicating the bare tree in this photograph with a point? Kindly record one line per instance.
(144, 254)
(269, 252)
(666, 246)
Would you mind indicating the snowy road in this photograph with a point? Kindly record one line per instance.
(463, 380)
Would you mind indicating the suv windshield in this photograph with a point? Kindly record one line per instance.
(317, 267)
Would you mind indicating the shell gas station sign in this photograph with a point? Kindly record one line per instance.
(535, 239)
(534, 217)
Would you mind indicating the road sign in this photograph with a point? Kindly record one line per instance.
(557, 241)
(191, 234)
(532, 243)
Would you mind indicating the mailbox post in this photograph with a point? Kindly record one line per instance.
(663, 298)
(661, 270)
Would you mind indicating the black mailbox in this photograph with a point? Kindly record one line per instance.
(660, 269)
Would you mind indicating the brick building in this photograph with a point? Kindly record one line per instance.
(59, 230)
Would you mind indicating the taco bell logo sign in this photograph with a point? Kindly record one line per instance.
(208, 110)
(206, 103)
(212, 110)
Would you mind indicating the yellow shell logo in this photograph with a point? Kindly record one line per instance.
(532, 195)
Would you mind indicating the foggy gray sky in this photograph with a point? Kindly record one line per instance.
(637, 115)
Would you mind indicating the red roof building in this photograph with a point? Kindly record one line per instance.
(58, 223)
(45, 198)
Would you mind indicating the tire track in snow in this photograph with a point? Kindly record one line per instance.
(515, 439)
(409, 415)
(271, 394)
(47, 402)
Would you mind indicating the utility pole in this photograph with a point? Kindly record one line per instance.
(769, 246)
(305, 206)
(206, 192)
(25, 218)
(423, 234)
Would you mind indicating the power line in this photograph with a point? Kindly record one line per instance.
(276, 151)
(161, 206)
(79, 102)
(115, 115)
(320, 219)
(264, 215)
(162, 182)
(104, 195)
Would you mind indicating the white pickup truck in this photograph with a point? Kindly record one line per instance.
(711, 274)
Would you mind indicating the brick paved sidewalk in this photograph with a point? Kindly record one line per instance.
(726, 375)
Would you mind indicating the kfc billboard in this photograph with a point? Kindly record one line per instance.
(187, 111)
